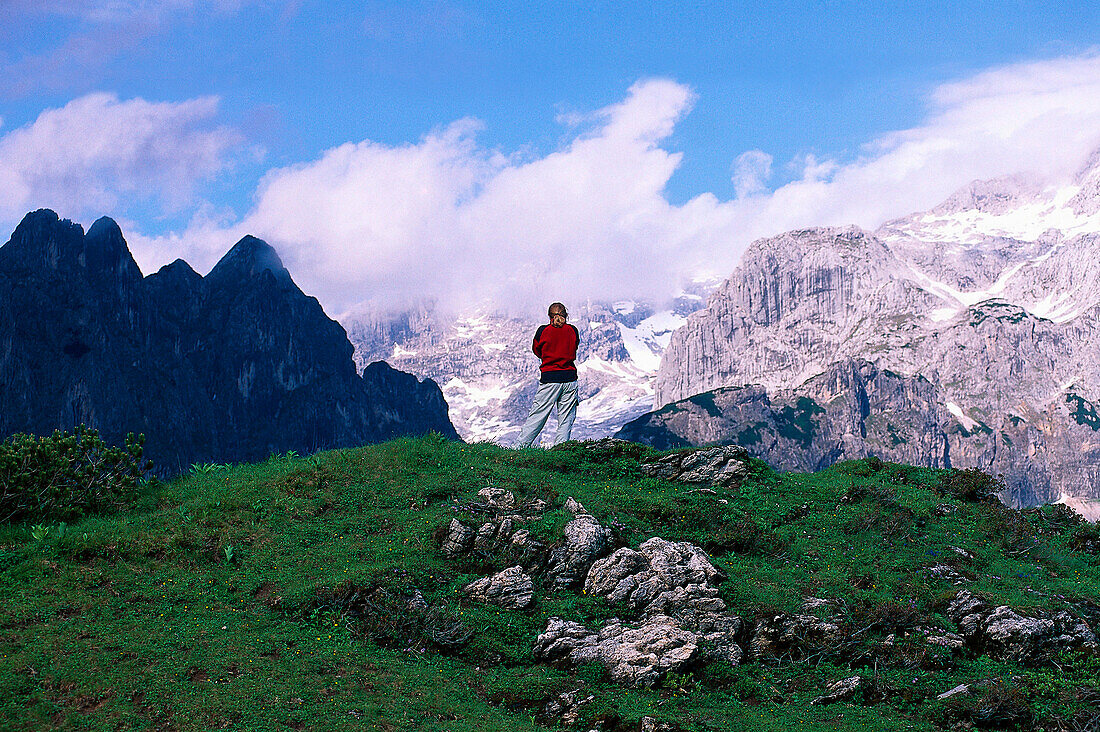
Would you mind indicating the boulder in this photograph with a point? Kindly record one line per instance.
(1006, 635)
(651, 724)
(635, 655)
(511, 589)
(725, 466)
(666, 578)
(573, 506)
(840, 690)
(658, 566)
(960, 689)
(585, 541)
(815, 603)
(950, 641)
(948, 573)
(497, 499)
(457, 540)
(566, 707)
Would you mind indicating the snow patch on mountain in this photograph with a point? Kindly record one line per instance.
(1058, 307)
(647, 341)
(967, 423)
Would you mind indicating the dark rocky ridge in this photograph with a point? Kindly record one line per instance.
(851, 411)
(226, 368)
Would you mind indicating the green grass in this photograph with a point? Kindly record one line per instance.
(143, 620)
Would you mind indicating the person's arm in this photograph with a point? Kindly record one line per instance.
(536, 344)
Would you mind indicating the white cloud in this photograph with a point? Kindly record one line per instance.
(115, 11)
(1040, 117)
(99, 32)
(751, 172)
(98, 154)
(446, 218)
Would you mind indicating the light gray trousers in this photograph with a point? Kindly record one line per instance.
(564, 397)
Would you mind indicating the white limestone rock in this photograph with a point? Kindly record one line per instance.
(511, 589)
(634, 655)
(585, 541)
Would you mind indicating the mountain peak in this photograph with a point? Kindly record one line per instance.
(178, 276)
(45, 240)
(105, 228)
(248, 259)
(996, 196)
(105, 250)
(41, 238)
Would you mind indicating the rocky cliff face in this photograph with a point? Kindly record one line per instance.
(852, 410)
(992, 297)
(230, 367)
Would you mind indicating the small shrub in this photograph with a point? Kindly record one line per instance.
(886, 616)
(887, 518)
(1054, 518)
(971, 485)
(1086, 539)
(858, 492)
(393, 618)
(864, 468)
(994, 704)
(66, 475)
(905, 474)
(1012, 530)
(742, 535)
(724, 675)
(550, 527)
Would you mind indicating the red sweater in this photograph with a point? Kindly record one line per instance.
(557, 347)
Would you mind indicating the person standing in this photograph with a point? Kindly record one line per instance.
(556, 344)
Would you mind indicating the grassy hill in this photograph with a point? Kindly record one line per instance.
(311, 593)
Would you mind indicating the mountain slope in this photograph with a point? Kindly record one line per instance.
(230, 367)
(994, 297)
(867, 596)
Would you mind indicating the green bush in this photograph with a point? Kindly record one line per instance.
(66, 475)
(970, 485)
(1086, 539)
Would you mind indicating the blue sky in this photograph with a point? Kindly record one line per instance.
(188, 120)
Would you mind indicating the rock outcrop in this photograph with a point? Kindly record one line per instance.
(229, 367)
(724, 467)
(585, 540)
(668, 586)
(635, 654)
(1005, 634)
(645, 579)
(510, 589)
(670, 579)
(841, 690)
(671, 617)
